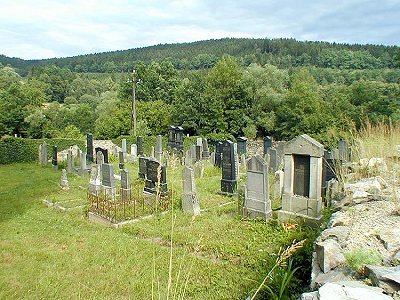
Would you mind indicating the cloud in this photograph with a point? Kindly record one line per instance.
(43, 28)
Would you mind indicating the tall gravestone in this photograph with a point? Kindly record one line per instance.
(54, 158)
(159, 152)
(43, 153)
(124, 146)
(218, 154)
(228, 181)
(190, 200)
(242, 145)
(108, 181)
(155, 174)
(139, 143)
(89, 147)
(303, 172)
(133, 152)
(172, 137)
(83, 168)
(95, 181)
(179, 138)
(256, 199)
(142, 167)
(267, 144)
(121, 164)
(70, 162)
(125, 186)
(64, 180)
(206, 152)
(343, 151)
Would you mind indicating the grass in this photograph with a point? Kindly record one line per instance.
(357, 259)
(48, 254)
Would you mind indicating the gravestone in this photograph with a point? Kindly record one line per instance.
(179, 139)
(43, 153)
(133, 152)
(83, 168)
(188, 158)
(159, 151)
(89, 147)
(228, 181)
(218, 154)
(95, 181)
(198, 169)
(142, 167)
(243, 162)
(256, 195)
(99, 158)
(198, 152)
(70, 162)
(278, 184)
(190, 200)
(267, 144)
(64, 180)
(125, 186)
(54, 158)
(237, 165)
(328, 171)
(242, 145)
(124, 147)
(303, 170)
(153, 168)
(212, 158)
(121, 164)
(206, 152)
(152, 152)
(105, 154)
(193, 152)
(172, 137)
(139, 143)
(108, 180)
(273, 160)
(343, 151)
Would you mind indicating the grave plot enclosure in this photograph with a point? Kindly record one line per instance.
(303, 167)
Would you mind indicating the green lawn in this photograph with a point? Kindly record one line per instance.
(47, 254)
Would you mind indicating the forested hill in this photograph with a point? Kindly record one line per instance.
(204, 54)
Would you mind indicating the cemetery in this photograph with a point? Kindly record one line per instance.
(231, 205)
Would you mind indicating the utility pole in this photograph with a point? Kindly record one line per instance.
(133, 119)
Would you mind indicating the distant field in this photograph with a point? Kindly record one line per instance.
(47, 254)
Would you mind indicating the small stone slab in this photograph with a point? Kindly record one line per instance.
(390, 238)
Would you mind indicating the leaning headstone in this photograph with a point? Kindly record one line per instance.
(198, 169)
(54, 158)
(303, 167)
(190, 200)
(159, 150)
(242, 145)
(133, 152)
(89, 147)
(267, 144)
(155, 174)
(121, 164)
(139, 143)
(228, 181)
(95, 181)
(218, 155)
(142, 167)
(64, 180)
(70, 162)
(256, 199)
(125, 186)
(206, 152)
(108, 180)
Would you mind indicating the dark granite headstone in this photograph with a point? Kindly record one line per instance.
(152, 169)
(89, 147)
(139, 143)
(172, 137)
(54, 159)
(242, 145)
(228, 182)
(107, 174)
(179, 138)
(142, 167)
(198, 153)
(206, 152)
(267, 144)
(121, 164)
(218, 155)
(301, 175)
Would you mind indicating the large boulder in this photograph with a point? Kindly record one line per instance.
(350, 291)
(387, 278)
(329, 255)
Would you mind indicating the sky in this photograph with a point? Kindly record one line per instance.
(39, 29)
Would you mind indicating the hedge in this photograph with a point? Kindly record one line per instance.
(13, 150)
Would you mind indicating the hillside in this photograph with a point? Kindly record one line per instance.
(204, 54)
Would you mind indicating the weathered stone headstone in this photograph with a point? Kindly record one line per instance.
(154, 173)
(43, 153)
(267, 144)
(212, 158)
(198, 152)
(278, 184)
(228, 181)
(133, 152)
(237, 165)
(54, 158)
(188, 159)
(179, 138)
(64, 180)
(121, 164)
(89, 147)
(159, 150)
(303, 167)
(198, 169)
(139, 143)
(193, 152)
(152, 152)
(190, 200)
(257, 203)
(99, 158)
(242, 145)
(142, 167)
(243, 162)
(273, 160)
(218, 154)
(199, 142)
(95, 181)
(125, 186)
(105, 154)
(343, 151)
(70, 162)
(124, 146)
(108, 180)
(83, 168)
(206, 151)
(172, 137)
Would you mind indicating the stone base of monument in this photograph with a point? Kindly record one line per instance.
(228, 187)
(252, 214)
(151, 188)
(291, 217)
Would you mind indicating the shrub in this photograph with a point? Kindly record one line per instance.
(357, 259)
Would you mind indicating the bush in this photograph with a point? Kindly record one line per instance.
(357, 259)
(14, 150)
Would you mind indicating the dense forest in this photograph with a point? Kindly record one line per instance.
(216, 88)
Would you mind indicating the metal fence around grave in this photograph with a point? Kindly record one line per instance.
(125, 205)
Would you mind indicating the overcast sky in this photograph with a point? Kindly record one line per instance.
(43, 28)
